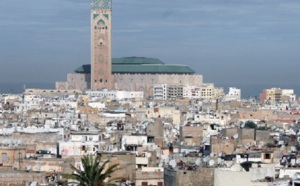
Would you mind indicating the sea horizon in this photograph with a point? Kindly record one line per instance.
(247, 90)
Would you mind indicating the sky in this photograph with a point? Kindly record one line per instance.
(233, 42)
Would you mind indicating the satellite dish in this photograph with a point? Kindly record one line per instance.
(9, 142)
(295, 176)
(212, 154)
(160, 165)
(298, 161)
(181, 143)
(211, 163)
(228, 163)
(220, 154)
(34, 183)
(205, 159)
(27, 155)
(235, 136)
(37, 167)
(28, 168)
(172, 163)
(198, 161)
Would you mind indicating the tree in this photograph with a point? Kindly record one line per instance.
(94, 172)
(250, 125)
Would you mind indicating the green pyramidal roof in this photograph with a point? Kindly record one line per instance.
(141, 65)
(136, 61)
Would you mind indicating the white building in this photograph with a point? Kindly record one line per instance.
(234, 94)
(115, 94)
(160, 91)
(80, 143)
(191, 92)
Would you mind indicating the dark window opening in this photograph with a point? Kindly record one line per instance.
(267, 156)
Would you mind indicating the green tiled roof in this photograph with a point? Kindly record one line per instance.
(136, 60)
(84, 69)
(152, 69)
(141, 65)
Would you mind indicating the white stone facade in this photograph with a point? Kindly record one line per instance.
(115, 94)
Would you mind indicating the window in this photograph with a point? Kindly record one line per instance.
(4, 157)
(20, 156)
(267, 156)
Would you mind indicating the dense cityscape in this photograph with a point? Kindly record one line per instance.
(142, 121)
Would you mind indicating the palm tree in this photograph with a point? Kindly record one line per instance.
(94, 172)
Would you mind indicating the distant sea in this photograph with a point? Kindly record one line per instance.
(17, 88)
(248, 90)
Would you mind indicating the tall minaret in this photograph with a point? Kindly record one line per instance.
(101, 74)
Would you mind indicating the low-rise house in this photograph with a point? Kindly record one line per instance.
(80, 143)
(150, 176)
(200, 176)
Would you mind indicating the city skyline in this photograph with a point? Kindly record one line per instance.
(228, 42)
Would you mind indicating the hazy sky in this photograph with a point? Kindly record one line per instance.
(228, 41)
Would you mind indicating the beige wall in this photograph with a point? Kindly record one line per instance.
(9, 156)
(126, 161)
(152, 178)
(194, 131)
(222, 146)
(232, 178)
(144, 82)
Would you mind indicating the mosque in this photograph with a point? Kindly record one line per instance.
(128, 73)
